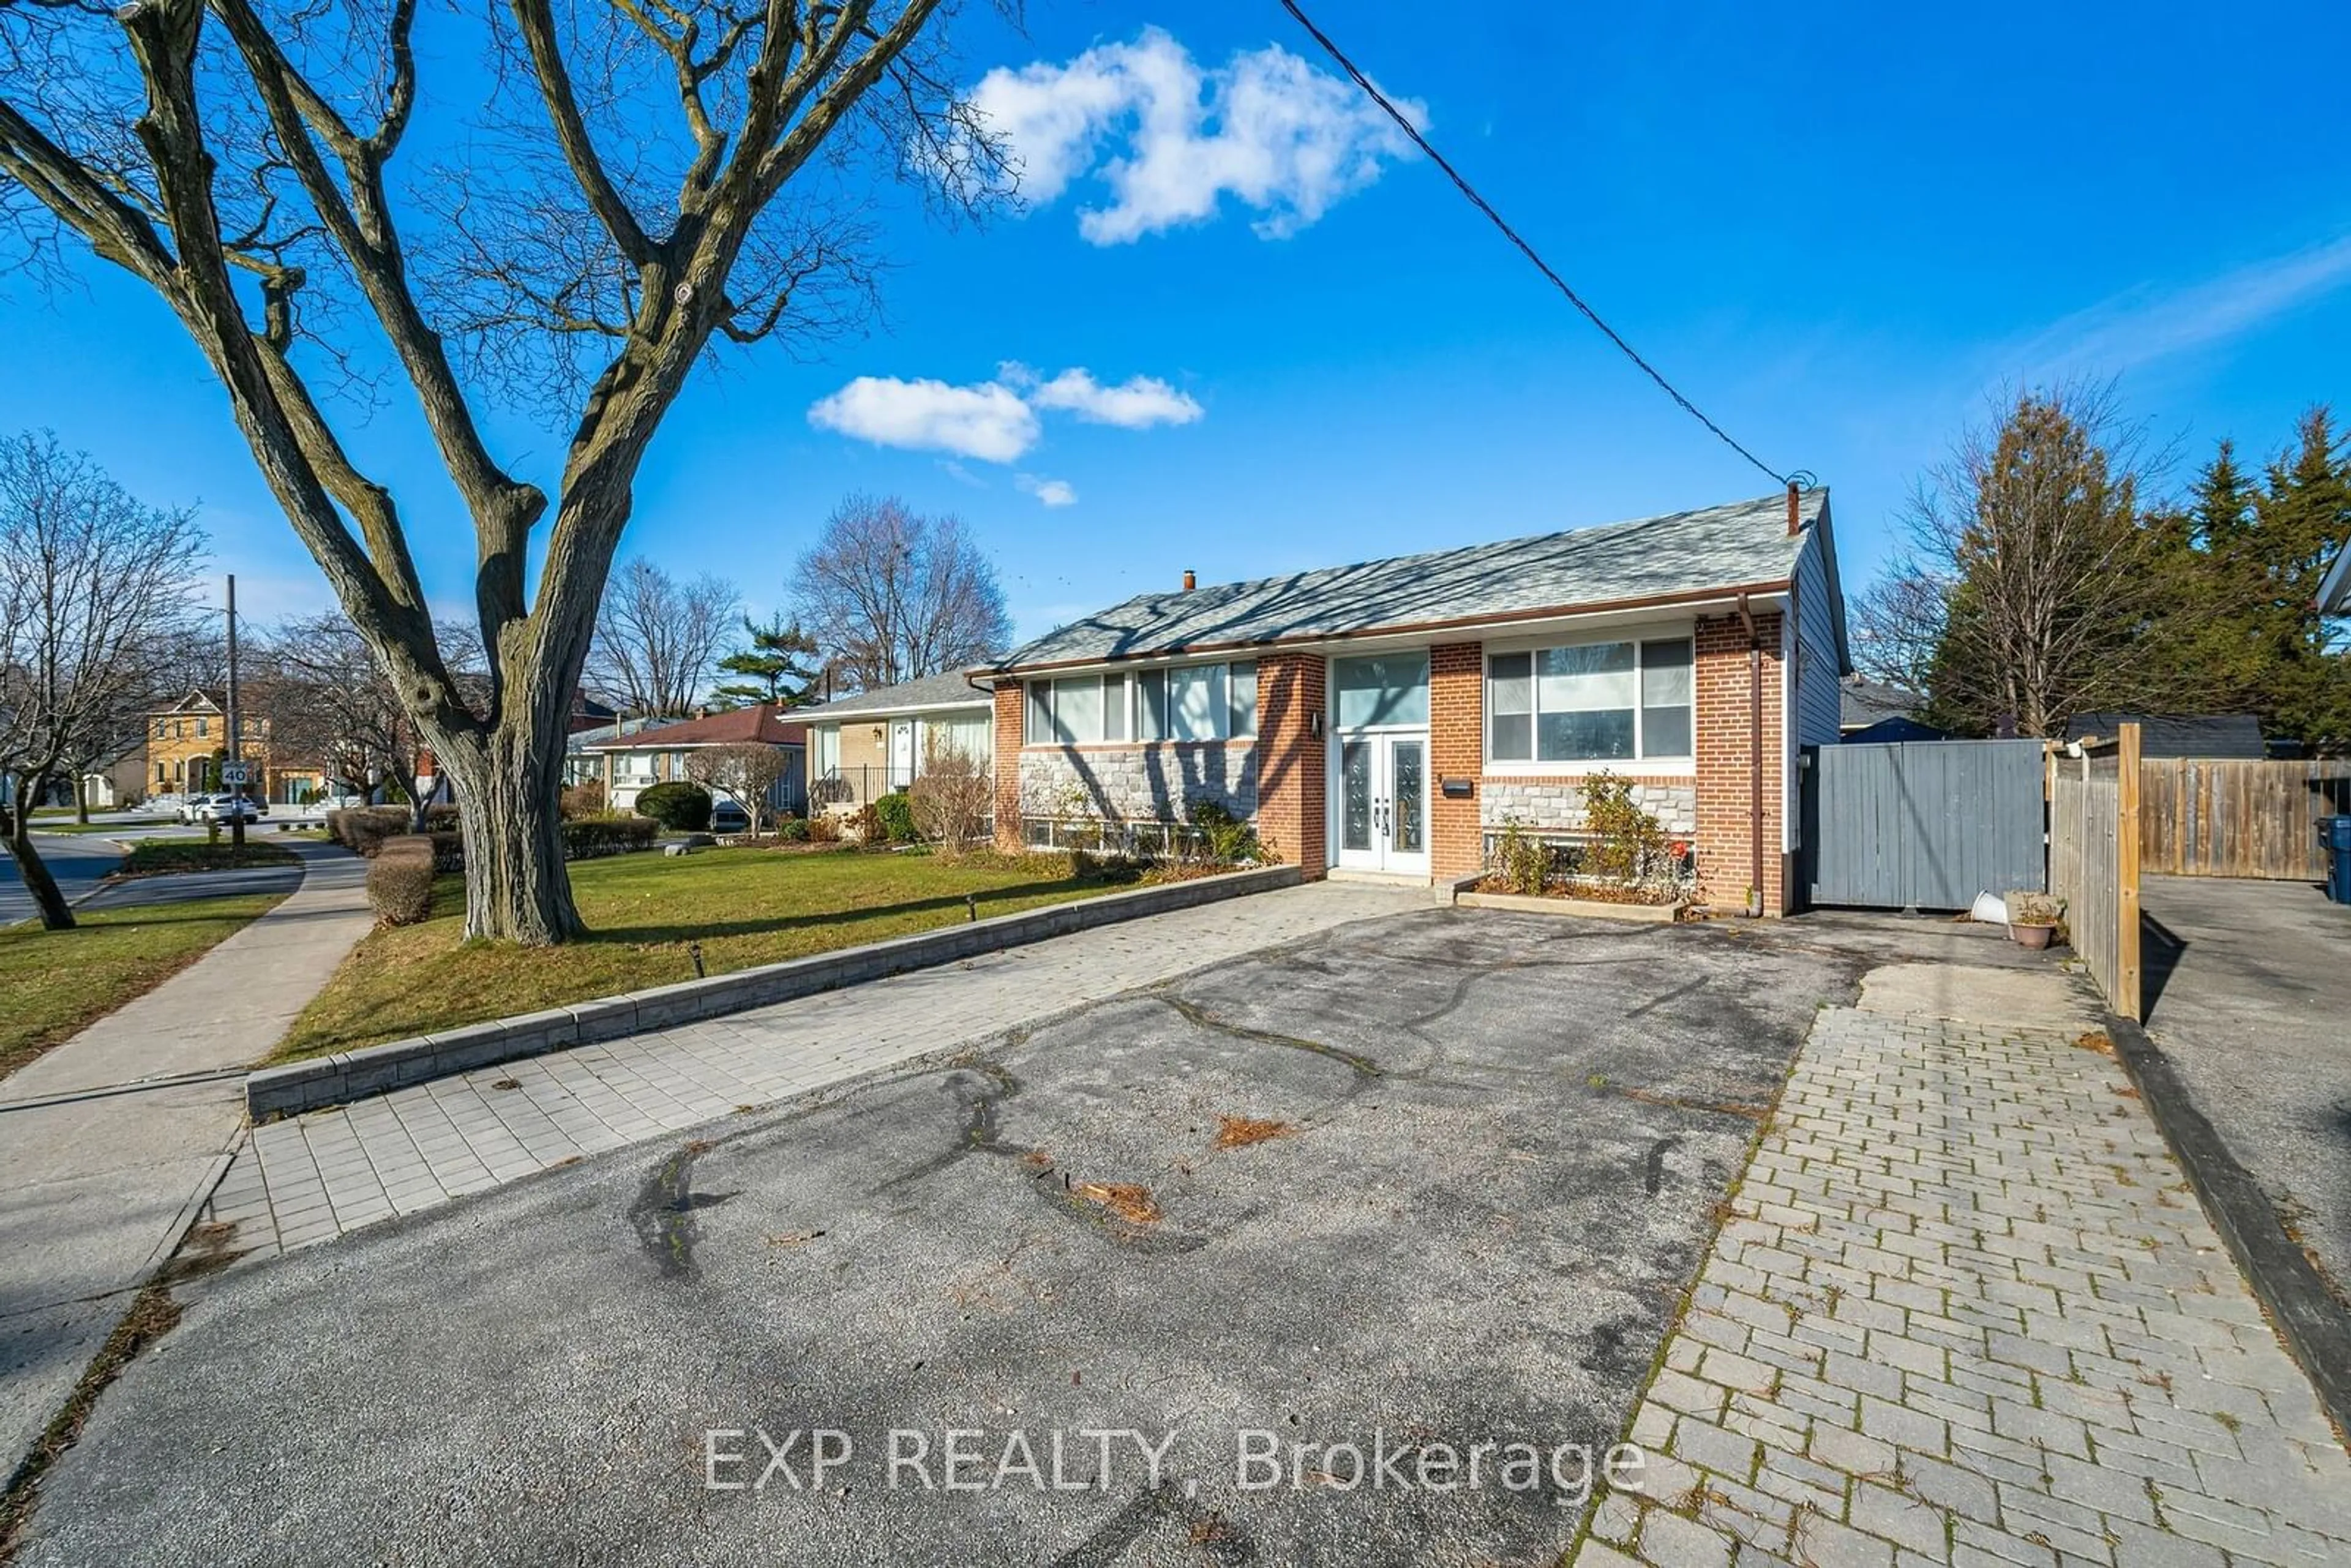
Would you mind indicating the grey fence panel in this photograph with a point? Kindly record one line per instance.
(1924, 824)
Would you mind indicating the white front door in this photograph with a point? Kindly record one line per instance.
(901, 753)
(1381, 800)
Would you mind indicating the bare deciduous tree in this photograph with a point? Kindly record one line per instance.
(93, 584)
(325, 700)
(2027, 574)
(743, 772)
(953, 798)
(643, 182)
(895, 596)
(657, 638)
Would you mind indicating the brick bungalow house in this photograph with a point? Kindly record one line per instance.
(632, 761)
(1389, 718)
(868, 745)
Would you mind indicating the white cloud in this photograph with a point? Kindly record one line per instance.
(996, 420)
(988, 420)
(1284, 137)
(2144, 325)
(1136, 404)
(1052, 492)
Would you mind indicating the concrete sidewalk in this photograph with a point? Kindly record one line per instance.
(1969, 1313)
(102, 1167)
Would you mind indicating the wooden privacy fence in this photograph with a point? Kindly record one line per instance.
(2239, 819)
(2094, 861)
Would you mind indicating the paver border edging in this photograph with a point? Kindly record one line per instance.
(377, 1070)
(2314, 1325)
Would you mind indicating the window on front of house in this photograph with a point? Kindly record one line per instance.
(1240, 698)
(1185, 702)
(1590, 702)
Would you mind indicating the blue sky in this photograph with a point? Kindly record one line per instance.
(1837, 227)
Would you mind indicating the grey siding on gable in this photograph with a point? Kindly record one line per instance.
(1819, 699)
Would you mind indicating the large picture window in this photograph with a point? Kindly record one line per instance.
(1590, 702)
(1183, 702)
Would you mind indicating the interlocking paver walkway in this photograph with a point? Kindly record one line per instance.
(314, 1176)
(1969, 1313)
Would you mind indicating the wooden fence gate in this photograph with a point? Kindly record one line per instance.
(1923, 824)
(2246, 819)
(2094, 861)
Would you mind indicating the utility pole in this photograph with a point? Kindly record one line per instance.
(236, 765)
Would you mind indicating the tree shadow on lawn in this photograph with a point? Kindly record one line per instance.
(856, 915)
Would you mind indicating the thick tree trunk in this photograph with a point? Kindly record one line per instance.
(506, 786)
(57, 914)
(81, 798)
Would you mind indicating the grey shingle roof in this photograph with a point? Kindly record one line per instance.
(1862, 701)
(1681, 555)
(2220, 735)
(949, 690)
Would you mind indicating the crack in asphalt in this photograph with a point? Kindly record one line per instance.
(1219, 1540)
(1365, 1069)
(663, 1213)
(979, 1134)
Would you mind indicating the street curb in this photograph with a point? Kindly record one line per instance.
(377, 1069)
(2314, 1325)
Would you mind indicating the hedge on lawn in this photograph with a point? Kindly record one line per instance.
(362, 830)
(682, 807)
(400, 882)
(896, 813)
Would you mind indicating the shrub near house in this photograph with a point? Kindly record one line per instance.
(681, 807)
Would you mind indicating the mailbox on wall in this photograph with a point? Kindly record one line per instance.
(1459, 788)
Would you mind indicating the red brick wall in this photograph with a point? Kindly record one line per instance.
(1456, 749)
(1291, 811)
(1726, 764)
(1011, 718)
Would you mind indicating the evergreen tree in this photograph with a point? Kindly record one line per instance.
(779, 666)
(2302, 517)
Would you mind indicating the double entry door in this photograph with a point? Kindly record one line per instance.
(1381, 800)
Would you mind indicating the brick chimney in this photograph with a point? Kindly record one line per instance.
(1795, 513)
(1190, 583)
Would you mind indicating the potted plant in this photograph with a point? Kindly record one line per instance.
(2033, 919)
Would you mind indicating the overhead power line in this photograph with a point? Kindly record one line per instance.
(1483, 205)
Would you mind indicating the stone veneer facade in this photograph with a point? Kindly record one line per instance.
(1556, 805)
(1711, 804)
(1147, 783)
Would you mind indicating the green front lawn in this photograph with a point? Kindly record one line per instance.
(57, 982)
(745, 908)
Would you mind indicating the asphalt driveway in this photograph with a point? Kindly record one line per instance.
(1503, 1140)
(2252, 986)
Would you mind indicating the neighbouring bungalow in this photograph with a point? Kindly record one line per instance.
(1392, 718)
(1873, 713)
(880, 740)
(2219, 735)
(636, 761)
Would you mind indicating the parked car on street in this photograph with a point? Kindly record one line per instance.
(227, 809)
(342, 803)
(191, 805)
